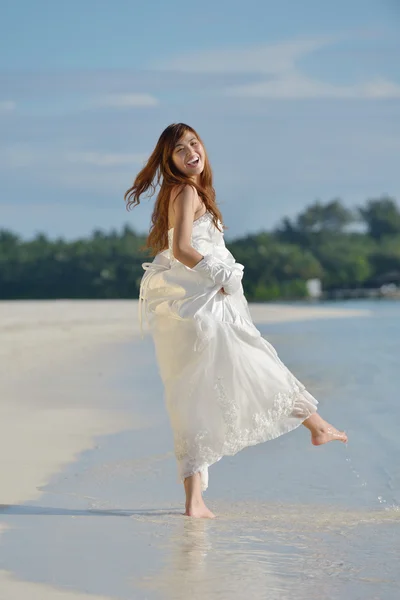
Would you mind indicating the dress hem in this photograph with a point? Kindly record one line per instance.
(203, 468)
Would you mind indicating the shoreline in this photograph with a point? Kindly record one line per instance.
(48, 353)
(44, 333)
(116, 315)
(73, 374)
(55, 403)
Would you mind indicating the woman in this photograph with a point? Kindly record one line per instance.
(225, 387)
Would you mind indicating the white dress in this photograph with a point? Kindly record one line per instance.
(225, 386)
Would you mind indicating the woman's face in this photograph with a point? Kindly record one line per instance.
(189, 155)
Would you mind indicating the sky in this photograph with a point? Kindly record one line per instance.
(295, 102)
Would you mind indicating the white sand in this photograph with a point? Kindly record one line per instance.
(12, 589)
(42, 429)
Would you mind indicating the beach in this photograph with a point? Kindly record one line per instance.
(90, 505)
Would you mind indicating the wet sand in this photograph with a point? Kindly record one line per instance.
(91, 507)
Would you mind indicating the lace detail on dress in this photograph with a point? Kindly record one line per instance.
(204, 217)
(198, 452)
(230, 409)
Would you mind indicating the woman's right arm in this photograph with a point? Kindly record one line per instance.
(185, 206)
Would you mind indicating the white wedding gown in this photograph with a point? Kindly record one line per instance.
(225, 386)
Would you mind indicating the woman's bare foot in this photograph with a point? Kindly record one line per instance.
(199, 511)
(328, 434)
(322, 432)
(194, 504)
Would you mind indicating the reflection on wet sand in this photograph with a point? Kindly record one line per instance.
(276, 552)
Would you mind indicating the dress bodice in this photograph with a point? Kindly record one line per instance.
(170, 285)
(205, 236)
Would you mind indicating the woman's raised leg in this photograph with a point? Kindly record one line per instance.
(322, 432)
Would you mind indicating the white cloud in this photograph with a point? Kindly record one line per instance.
(295, 85)
(7, 106)
(278, 67)
(126, 101)
(25, 155)
(381, 88)
(265, 58)
(103, 159)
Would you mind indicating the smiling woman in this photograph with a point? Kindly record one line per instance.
(225, 386)
(179, 158)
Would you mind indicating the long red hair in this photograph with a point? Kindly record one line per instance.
(161, 170)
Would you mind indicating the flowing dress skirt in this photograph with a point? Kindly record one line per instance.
(225, 386)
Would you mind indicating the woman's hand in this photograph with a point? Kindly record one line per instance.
(228, 277)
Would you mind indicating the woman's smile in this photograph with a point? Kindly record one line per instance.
(193, 162)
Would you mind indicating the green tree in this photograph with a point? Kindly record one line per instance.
(315, 222)
(345, 261)
(317, 243)
(381, 216)
(385, 261)
(318, 217)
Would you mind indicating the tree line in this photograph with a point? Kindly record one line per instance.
(343, 248)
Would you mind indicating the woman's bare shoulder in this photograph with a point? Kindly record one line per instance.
(184, 190)
(183, 195)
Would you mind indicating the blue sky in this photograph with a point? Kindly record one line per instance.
(294, 101)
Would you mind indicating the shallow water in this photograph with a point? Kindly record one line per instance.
(294, 521)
